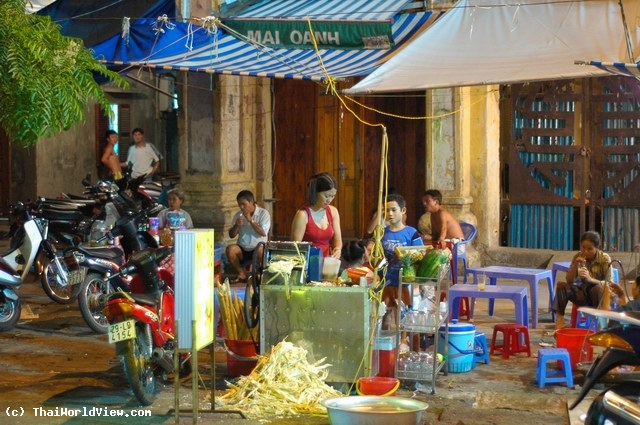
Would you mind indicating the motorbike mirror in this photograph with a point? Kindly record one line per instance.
(155, 209)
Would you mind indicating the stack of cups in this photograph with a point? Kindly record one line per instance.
(154, 230)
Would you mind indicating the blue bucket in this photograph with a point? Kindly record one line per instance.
(461, 346)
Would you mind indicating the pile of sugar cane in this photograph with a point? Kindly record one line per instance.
(232, 314)
(282, 384)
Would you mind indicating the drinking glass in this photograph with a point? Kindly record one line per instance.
(482, 281)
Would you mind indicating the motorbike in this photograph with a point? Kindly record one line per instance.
(27, 244)
(48, 265)
(141, 325)
(620, 403)
(98, 263)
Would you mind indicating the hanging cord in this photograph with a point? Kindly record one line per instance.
(427, 117)
(377, 252)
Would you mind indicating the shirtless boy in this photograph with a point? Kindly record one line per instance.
(109, 157)
(443, 225)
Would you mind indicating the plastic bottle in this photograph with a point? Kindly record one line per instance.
(443, 311)
(578, 280)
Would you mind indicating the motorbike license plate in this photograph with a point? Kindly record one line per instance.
(122, 331)
(76, 277)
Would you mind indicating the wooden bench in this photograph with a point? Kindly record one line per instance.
(517, 294)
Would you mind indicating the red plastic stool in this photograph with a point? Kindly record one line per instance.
(511, 341)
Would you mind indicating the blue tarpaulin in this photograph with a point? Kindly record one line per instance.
(96, 20)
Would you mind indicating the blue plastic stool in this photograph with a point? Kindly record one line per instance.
(563, 375)
(480, 348)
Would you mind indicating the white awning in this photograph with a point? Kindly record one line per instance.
(509, 41)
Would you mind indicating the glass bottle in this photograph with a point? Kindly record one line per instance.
(166, 237)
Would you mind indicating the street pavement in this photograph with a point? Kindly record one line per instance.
(52, 361)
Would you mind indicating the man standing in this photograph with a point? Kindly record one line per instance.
(143, 157)
(443, 225)
(251, 225)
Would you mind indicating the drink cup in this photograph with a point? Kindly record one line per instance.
(153, 225)
(482, 282)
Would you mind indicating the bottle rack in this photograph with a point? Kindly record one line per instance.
(425, 366)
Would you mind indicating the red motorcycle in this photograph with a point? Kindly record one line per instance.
(142, 324)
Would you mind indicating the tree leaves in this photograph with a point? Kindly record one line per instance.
(46, 79)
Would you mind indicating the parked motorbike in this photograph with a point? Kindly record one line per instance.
(142, 325)
(15, 265)
(620, 403)
(48, 266)
(98, 263)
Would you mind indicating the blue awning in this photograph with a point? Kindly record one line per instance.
(193, 48)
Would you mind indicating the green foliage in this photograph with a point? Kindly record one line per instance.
(46, 79)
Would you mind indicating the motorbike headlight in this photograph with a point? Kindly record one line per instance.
(606, 339)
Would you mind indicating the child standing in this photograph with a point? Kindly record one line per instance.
(396, 234)
(175, 217)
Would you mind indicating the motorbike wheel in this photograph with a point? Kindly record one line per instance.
(598, 415)
(91, 300)
(53, 286)
(136, 355)
(9, 313)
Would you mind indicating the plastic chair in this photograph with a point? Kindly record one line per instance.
(469, 231)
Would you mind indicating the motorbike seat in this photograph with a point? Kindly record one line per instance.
(112, 253)
(146, 298)
(56, 214)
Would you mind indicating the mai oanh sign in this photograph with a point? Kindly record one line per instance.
(194, 271)
(328, 34)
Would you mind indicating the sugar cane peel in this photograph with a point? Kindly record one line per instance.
(282, 384)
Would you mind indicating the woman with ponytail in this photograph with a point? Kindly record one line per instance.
(317, 221)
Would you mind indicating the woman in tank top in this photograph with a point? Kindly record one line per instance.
(318, 222)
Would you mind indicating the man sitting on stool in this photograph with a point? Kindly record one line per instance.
(251, 225)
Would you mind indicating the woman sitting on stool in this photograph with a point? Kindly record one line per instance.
(589, 271)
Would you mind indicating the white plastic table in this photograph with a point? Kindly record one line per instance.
(533, 276)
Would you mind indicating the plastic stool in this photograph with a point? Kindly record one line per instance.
(511, 341)
(480, 348)
(578, 320)
(564, 375)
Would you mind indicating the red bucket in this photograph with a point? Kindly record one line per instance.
(575, 341)
(377, 385)
(241, 357)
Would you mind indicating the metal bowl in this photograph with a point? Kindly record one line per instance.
(374, 410)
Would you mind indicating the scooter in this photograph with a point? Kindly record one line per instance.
(142, 325)
(15, 265)
(48, 266)
(619, 404)
(99, 263)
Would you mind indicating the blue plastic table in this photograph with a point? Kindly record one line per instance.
(518, 294)
(533, 276)
(563, 266)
